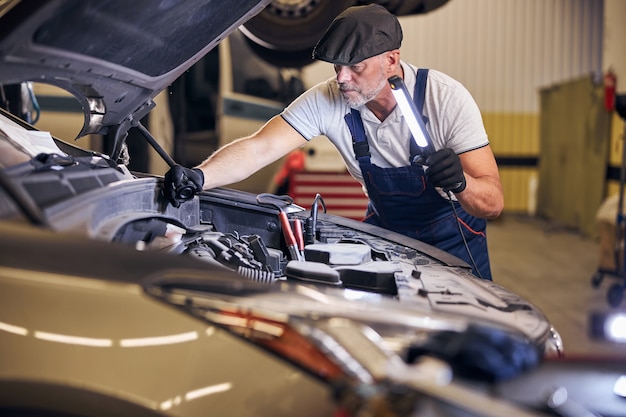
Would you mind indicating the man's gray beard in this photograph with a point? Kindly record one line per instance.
(357, 101)
(363, 99)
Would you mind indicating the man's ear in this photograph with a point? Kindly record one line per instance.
(393, 60)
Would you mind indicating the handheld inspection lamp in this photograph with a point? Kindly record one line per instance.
(411, 116)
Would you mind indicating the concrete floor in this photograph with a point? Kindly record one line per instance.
(552, 268)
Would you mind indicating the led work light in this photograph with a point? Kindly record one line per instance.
(411, 116)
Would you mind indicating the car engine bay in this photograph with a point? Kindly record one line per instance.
(260, 237)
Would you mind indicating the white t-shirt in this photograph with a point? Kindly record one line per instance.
(454, 121)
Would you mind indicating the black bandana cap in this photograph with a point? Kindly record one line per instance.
(358, 33)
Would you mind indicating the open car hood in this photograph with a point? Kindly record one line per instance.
(114, 56)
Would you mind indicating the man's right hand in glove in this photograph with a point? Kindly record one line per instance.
(181, 184)
(445, 170)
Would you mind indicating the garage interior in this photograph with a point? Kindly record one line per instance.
(99, 319)
(537, 70)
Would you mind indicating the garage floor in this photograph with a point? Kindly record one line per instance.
(552, 268)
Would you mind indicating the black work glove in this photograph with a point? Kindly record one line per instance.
(445, 171)
(181, 184)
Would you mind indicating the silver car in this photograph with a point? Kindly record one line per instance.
(238, 304)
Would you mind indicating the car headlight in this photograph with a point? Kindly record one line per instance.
(608, 326)
(553, 347)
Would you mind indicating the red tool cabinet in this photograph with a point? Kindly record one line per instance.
(342, 194)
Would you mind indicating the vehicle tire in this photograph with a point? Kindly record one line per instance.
(289, 25)
(407, 7)
(286, 31)
(281, 59)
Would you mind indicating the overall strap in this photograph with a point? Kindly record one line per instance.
(420, 90)
(357, 130)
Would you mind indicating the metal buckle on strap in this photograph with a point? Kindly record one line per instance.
(361, 149)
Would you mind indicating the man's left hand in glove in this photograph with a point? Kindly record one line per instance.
(445, 171)
(181, 184)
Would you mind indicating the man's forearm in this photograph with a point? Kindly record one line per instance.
(243, 157)
(482, 197)
(229, 164)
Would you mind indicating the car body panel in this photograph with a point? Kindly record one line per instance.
(108, 338)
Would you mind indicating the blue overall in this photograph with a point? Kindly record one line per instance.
(402, 200)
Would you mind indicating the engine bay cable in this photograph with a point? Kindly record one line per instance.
(458, 223)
